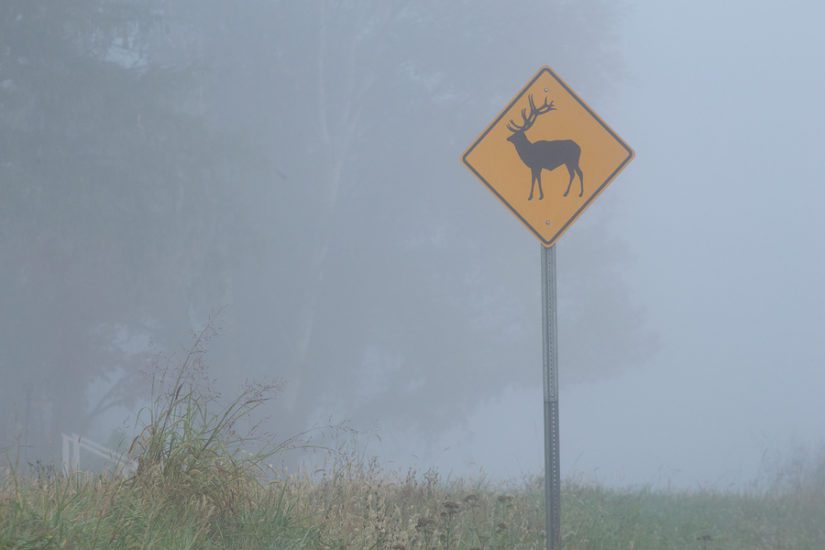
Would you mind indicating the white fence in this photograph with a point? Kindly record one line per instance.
(73, 443)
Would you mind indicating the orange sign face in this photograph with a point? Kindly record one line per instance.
(547, 156)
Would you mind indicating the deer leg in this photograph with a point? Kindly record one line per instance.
(572, 175)
(581, 181)
(532, 185)
(538, 177)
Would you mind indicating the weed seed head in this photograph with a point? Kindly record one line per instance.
(451, 507)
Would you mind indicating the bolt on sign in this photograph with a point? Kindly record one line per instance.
(547, 156)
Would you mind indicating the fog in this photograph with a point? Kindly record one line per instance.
(291, 171)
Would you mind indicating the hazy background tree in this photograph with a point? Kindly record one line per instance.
(97, 246)
(296, 162)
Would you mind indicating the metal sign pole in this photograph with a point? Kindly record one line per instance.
(552, 470)
(492, 159)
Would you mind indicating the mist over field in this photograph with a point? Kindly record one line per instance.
(289, 172)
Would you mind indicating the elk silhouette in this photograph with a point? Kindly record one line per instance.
(544, 155)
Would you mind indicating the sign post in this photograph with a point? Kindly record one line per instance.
(550, 353)
(547, 130)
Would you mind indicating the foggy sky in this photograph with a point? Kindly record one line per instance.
(309, 187)
(720, 213)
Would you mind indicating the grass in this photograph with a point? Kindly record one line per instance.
(197, 486)
(357, 506)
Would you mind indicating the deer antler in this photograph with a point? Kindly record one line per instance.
(528, 120)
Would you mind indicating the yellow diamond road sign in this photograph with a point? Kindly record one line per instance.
(547, 156)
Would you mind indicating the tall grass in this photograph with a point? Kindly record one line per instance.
(357, 506)
(199, 486)
(189, 452)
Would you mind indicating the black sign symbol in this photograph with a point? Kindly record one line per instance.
(544, 155)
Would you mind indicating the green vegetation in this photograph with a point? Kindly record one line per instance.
(198, 486)
(358, 507)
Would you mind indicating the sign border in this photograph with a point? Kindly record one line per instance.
(630, 156)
